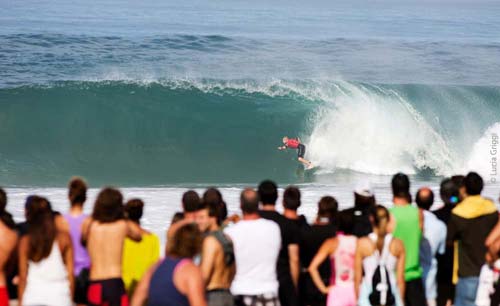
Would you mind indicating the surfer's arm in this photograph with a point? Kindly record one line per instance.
(282, 148)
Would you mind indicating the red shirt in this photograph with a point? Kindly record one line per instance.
(293, 143)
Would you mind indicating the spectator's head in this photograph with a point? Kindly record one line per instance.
(380, 219)
(178, 216)
(473, 184)
(449, 192)
(5, 217)
(186, 242)
(346, 223)
(190, 201)
(268, 192)
(42, 228)
(134, 209)
(3, 200)
(249, 201)
(328, 208)
(363, 195)
(401, 187)
(425, 198)
(108, 206)
(77, 191)
(291, 198)
(207, 217)
(459, 182)
(213, 196)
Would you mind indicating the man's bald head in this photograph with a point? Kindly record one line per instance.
(249, 201)
(425, 198)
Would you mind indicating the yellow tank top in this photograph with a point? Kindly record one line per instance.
(138, 257)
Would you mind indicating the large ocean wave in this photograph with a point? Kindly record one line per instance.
(213, 131)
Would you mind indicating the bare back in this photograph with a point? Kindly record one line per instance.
(218, 275)
(8, 242)
(105, 247)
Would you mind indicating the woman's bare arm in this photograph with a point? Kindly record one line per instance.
(141, 291)
(358, 265)
(23, 267)
(400, 268)
(191, 284)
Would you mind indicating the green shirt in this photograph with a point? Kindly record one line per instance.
(408, 230)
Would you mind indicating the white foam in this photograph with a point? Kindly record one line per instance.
(376, 131)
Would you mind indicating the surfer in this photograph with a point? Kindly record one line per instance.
(301, 150)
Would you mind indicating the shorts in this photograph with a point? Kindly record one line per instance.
(107, 292)
(301, 151)
(220, 297)
(4, 297)
(257, 300)
(81, 287)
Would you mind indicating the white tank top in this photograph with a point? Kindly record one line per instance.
(47, 281)
(371, 262)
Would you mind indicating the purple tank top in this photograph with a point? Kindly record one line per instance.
(80, 255)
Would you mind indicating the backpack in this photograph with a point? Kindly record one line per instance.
(381, 294)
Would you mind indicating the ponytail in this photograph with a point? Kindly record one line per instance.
(381, 220)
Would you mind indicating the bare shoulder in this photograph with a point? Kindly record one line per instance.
(188, 268)
(64, 239)
(86, 222)
(364, 245)
(397, 246)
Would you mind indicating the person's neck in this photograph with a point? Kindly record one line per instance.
(76, 210)
(213, 228)
(290, 214)
(400, 201)
(268, 207)
(253, 216)
(322, 220)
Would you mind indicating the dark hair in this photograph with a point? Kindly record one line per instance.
(249, 201)
(77, 191)
(3, 200)
(5, 217)
(213, 210)
(291, 198)
(380, 218)
(178, 216)
(449, 192)
(186, 242)
(212, 196)
(328, 208)
(268, 192)
(108, 206)
(473, 183)
(364, 202)
(346, 223)
(42, 228)
(401, 186)
(425, 198)
(134, 209)
(190, 201)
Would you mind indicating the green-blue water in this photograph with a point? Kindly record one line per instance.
(167, 92)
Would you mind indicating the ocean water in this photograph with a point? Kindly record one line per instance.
(160, 96)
